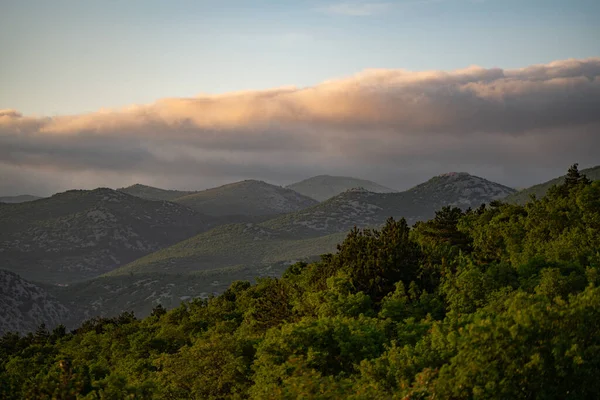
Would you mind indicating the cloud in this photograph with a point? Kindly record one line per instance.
(356, 9)
(399, 127)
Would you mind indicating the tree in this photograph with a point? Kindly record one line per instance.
(375, 260)
(574, 177)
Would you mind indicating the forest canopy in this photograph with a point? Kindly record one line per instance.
(498, 302)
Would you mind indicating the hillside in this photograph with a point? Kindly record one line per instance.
(522, 196)
(324, 187)
(458, 189)
(246, 198)
(363, 209)
(18, 199)
(153, 193)
(110, 295)
(230, 246)
(80, 234)
(24, 305)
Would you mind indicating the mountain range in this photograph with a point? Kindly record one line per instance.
(314, 230)
(359, 207)
(104, 251)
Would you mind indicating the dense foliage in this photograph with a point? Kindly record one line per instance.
(498, 302)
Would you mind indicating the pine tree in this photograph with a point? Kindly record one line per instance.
(574, 177)
(41, 334)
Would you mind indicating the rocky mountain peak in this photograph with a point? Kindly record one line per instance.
(460, 189)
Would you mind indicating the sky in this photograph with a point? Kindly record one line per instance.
(110, 93)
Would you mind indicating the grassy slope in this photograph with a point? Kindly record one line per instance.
(230, 246)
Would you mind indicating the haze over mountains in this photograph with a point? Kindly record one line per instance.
(130, 249)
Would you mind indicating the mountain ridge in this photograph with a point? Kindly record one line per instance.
(154, 193)
(323, 187)
(359, 207)
(249, 197)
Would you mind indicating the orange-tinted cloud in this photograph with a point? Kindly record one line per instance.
(372, 124)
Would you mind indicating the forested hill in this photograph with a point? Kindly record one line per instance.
(499, 302)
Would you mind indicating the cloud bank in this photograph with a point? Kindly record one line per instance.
(398, 127)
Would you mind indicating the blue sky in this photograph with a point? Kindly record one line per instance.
(67, 57)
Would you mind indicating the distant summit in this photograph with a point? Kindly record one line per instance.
(249, 198)
(19, 199)
(153, 193)
(323, 187)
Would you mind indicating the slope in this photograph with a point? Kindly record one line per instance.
(323, 187)
(522, 196)
(230, 246)
(249, 198)
(110, 295)
(24, 305)
(80, 234)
